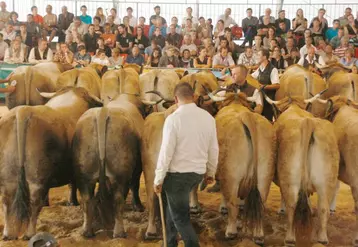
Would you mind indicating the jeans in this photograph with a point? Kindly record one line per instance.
(177, 187)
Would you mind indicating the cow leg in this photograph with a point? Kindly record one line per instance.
(72, 200)
(118, 231)
(290, 196)
(332, 207)
(194, 202)
(230, 194)
(9, 232)
(88, 207)
(223, 205)
(151, 205)
(137, 204)
(354, 189)
(323, 214)
(282, 209)
(241, 204)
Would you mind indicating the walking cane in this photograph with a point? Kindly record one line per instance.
(163, 220)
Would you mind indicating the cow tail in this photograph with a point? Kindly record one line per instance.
(20, 207)
(303, 215)
(254, 207)
(104, 194)
(28, 79)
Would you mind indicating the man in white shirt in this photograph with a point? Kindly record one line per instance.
(304, 49)
(228, 20)
(188, 45)
(40, 54)
(189, 150)
(310, 59)
(9, 33)
(223, 59)
(132, 19)
(190, 16)
(3, 47)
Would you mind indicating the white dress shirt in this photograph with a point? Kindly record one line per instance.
(303, 50)
(133, 21)
(33, 60)
(8, 36)
(227, 21)
(320, 60)
(273, 76)
(189, 143)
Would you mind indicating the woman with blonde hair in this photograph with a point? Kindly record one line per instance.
(100, 14)
(116, 59)
(15, 53)
(299, 23)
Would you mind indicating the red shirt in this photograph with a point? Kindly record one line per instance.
(38, 19)
(145, 30)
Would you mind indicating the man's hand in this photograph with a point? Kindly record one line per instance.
(9, 76)
(158, 188)
(11, 89)
(209, 180)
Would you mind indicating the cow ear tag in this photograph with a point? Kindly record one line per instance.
(13, 83)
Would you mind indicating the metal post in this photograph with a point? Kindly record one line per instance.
(197, 9)
(137, 10)
(259, 10)
(76, 14)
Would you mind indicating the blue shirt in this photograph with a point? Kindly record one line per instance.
(139, 60)
(163, 30)
(330, 33)
(86, 19)
(346, 63)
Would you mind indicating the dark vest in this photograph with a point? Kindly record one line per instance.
(278, 64)
(264, 76)
(246, 88)
(37, 54)
(305, 62)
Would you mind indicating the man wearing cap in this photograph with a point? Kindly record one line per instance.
(157, 14)
(43, 239)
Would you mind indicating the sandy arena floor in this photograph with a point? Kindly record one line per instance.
(65, 223)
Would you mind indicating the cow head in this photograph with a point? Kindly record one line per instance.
(100, 69)
(334, 104)
(152, 105)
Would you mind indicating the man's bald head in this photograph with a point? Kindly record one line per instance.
(239, 74)
(183, 92)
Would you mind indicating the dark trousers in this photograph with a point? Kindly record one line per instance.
(177, 187)
(267, 108)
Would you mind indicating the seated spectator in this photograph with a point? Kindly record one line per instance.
(310, 59)
(90, 40)
(113, 26)
(186, 61)
(77, 26)
(336, 40)
(127, 26)
(247, 58)
(223, 43)
(204, 34)
(281, 30)
(174, 22)
(3, 47)
(64, 56)
(124, 41)
(328, 56)
(355, 69)
(37, 18)
(132, 20)
(158, 37)
(64, 21)
(219, 29)
(304, 49)
(257, 47)
(101, 45)
(102, 17)
(159, 24)
(188, 45)
(332, 31)
(108, 37)
(231, 44)
(98, 29)
(195, 39)
(86, 19)
(273, 45)
(14, 21)
(145, 28)
(116, 59)
(41, 53)
(115, 17)
(316, 31)
(153, 60)
(321, 47)
(269, 36)
(202, 61)
(323, 21)
(33, 32)
(135, 57)
(286, 51)
(348, 59)
(189, 28)
(169, 60)
(82, 58)
(294, 57)
(277, 59)
(264, 27)
(14, 54)
(352, 28)
(148, 51)
(73, 40)
(282, 19)
(100, 58)
(173, 37)
(203, 25)
(340, 50)
(50, 24)
(4, 14)
(9, 33)
(268, 16)
(223, 59)
(141, 40)
(24, 47)
(210, 49)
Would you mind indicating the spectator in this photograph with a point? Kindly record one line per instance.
(158, 24)
(73, 40)
(336, 41)
(321, 47)
(135, 57)
(3, 47)
(78, 26)
(174, 21)
(100, 58)
(90, 39)
(50, 24)
(186, 61)
(340, 50)
(203, 26)
(281, 30)
(257, 47)
(304, 49)
(278, 60)
(14, 53)
(269, 36)
(227, 19)
(219, 29)
(153, 18)
(141, 40)
(33, 31)
(344, 19)
(2, 26)
(14, 21)
(41, 53)
(149, 50)
(101, 45)
(210, 49)
(102, 17)
(308, 60)
(205, 34)
(4, 14)
(268, 16)
(108, 37)
(113, 26)
(195, 39)
(131, 19)
(264, 26)
(36, 17)
(352, 29)
(86, 19)
(290, 45)
(124, 41)
(153, 60)
(355, 69)
(316, 31)
(98, 29)
(144, 27)
(273, 45)
(64, 56)
(188, 27)
(328, 57)
(249, 26)
(332, 31)
(323, 21)
(82, 58)
(247, 58)
(294, 57)
(299, 23)
(282, 18)
(173, 37)
(189, 15)
(9, 33)
(356, 20)
(169, 60)
(223, 59)
(209, 22)
(223, 43)
(158, 37)
(116, 19)
(64, 21)
(116, 59)
(202, 61)
(188, 45)
(128, 28)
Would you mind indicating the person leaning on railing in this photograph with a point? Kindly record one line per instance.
(64, 56)
(40, 54)
(202, 61)
(15, 53)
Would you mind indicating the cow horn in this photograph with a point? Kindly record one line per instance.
(250, 99)
(267, 98)
(95, 98)
(149, 102)
(321, 66)
(316, 97)
(323, 101)
(46, 94)
(160, 95)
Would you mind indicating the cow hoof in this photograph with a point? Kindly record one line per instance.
(151, 236)
(223, 211)
(8, 238)
(259, 241)
(72, 203)
(290, 243)
(138, 207)
(332, 212)
(120, 235)
(323, 242)
(195, 210)
(26, 238)
(88, 234)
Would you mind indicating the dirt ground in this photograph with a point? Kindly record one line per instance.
(65, 223)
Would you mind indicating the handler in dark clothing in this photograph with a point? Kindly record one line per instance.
(267, 75)
(189, 150)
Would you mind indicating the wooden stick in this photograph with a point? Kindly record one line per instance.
(163, 220)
